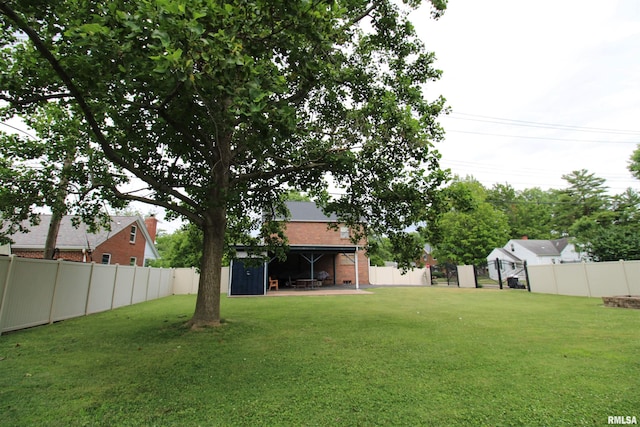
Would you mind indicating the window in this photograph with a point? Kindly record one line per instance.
(344, 232)
(106, 258)
(132, 260)
(132, 235)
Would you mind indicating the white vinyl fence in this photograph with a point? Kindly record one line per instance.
(466, 276)
(596, 279)
(185, 281)
(394, 276)
(35, 292)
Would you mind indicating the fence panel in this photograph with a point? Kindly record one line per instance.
(153, 286)
(101, 288)
(632, 275)
(542, 279)
(139, 288)
(571, 279)
(166, 288)
(394, 276)
(185, 281)
(123, 286)
(224, 281)
(29, 294)
(466, 276)
(72, 288)
(606, 279)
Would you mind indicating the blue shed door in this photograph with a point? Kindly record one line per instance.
(246, 280)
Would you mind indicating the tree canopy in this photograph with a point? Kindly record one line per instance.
(56, 168)
(219, 108)
(469, 227)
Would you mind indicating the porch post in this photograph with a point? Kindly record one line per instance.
(356, 264)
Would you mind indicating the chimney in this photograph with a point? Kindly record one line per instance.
(525, 237)
(152, 223)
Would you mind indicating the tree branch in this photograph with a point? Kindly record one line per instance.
(167, 205)
(84, 107)
(33, 99)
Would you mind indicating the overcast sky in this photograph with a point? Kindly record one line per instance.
(515, 67)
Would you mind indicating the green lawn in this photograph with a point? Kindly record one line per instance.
(407, 356)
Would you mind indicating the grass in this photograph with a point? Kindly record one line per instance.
(406, 356)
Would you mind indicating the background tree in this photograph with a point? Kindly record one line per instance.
(528, 211)
(55, 170)
(221, 108)
(180, 249)
(634, 163)
(613, 234)
(469, 228)
(585, 196)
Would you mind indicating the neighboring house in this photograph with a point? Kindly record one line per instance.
(316, 252)
(427, 256)
(129, 242)
(511, 257)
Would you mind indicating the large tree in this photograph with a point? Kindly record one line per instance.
(469, 227)
(220, 107)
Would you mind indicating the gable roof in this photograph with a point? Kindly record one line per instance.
(72, 238)
(508, 255)
(543, 247)
(307, 212)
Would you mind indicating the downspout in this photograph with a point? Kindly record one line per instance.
(356, 264)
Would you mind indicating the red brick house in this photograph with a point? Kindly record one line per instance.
(318, 256)
(129, 242)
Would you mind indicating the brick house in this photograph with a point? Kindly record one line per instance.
(318, 255)
(129, 242)
(331, 250)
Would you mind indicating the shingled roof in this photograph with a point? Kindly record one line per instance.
(72, 238)
(545, 247)
(307, 212)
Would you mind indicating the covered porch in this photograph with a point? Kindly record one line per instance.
(314, 266)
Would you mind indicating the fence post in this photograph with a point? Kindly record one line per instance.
(626, 278)
(526, 276)
(146, 295)
(115, 285)
(86, 304)
(475, 276)
(499, 272)
(55, 288)
(7, 282)
(586, 278)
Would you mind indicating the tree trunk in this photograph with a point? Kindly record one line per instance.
(52, 235)
(207, 311)
(59, 209)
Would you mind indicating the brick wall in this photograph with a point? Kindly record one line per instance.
(65, 255)
(317, 233)
(313, 233)
(121, 249)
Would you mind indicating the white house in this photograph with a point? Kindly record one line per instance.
(511, 257)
